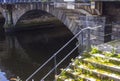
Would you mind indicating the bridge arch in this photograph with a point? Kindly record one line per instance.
(67, 16)
(21, 9)
(35, 14)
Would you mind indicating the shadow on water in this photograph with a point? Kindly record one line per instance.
(33, 47)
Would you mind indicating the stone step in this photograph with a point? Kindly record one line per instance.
(106, 65)
(63, 76)
(64, 79)
(78, 70)
(99, 73)
(72, 75)
(68, 79)
(105, 47)
(107, 73)
(114, 59)
(108, 47)
(96, 42)
(97, 66)
(79, 75)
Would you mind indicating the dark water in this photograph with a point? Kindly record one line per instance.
(33, 47)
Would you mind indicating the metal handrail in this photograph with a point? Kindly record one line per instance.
(67, 54)
(60, 62)
(56, 53)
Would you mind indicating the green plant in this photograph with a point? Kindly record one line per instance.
(113, 51)
(118, 56)
(79, 79)
(94, 50)
(109, 54)
(94, 66)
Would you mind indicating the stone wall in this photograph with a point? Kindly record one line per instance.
(112, 12)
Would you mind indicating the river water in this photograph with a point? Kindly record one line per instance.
(32, 47)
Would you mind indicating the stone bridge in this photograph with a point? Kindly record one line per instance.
(68, 13)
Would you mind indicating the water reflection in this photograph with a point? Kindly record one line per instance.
(30, 48)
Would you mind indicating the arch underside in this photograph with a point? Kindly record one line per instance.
(31, 14)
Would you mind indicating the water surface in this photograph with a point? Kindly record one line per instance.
(33, 47)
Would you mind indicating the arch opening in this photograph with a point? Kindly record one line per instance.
(37, 17)
(42, 40)
(41, 20)
(34, 17)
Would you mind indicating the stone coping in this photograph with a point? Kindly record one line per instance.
(110, 46)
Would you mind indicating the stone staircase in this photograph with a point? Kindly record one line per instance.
(97, 65)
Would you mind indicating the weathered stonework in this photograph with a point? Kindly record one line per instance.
(12, 13)
(112, 11)
(70, 17)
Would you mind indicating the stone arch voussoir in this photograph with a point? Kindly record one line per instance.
(58, 13)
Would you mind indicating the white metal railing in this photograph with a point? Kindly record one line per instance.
(55, 54)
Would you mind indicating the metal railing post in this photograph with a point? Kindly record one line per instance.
(88, 41)
(82, 40)
(56, 53)
(55, 63)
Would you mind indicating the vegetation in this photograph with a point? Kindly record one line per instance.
(93, 66)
